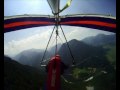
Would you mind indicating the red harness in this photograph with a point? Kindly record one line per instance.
(53, 77)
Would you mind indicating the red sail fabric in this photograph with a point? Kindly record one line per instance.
(53, 77)
(19, 22)
(100, 22)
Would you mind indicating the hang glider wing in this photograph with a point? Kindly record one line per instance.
(106, 23)
(101, 22)
(13, 23)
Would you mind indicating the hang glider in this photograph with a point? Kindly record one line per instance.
(101, 22)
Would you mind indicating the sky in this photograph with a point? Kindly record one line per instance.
(37, 37)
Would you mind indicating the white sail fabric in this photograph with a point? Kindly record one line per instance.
(54, 4)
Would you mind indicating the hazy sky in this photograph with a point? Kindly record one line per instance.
(17, 41)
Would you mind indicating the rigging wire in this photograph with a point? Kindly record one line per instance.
(51, 45)
(56, 41)
(47, 45)
(57, 35)
(60, 38)
(73, 60)
(53, 42)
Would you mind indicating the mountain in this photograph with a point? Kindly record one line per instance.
(21, 77)
(31, 57)
(52, 49)
(100, 39)
(108, 42)
(85, 55)
(88, 52)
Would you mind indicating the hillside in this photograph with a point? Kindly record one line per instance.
(31, 57)
(100, 40)
(21, 77)
(91, 61)
(89, 53)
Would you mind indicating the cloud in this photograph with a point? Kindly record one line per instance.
(80, 33)
(39, 38)
(37, 41)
